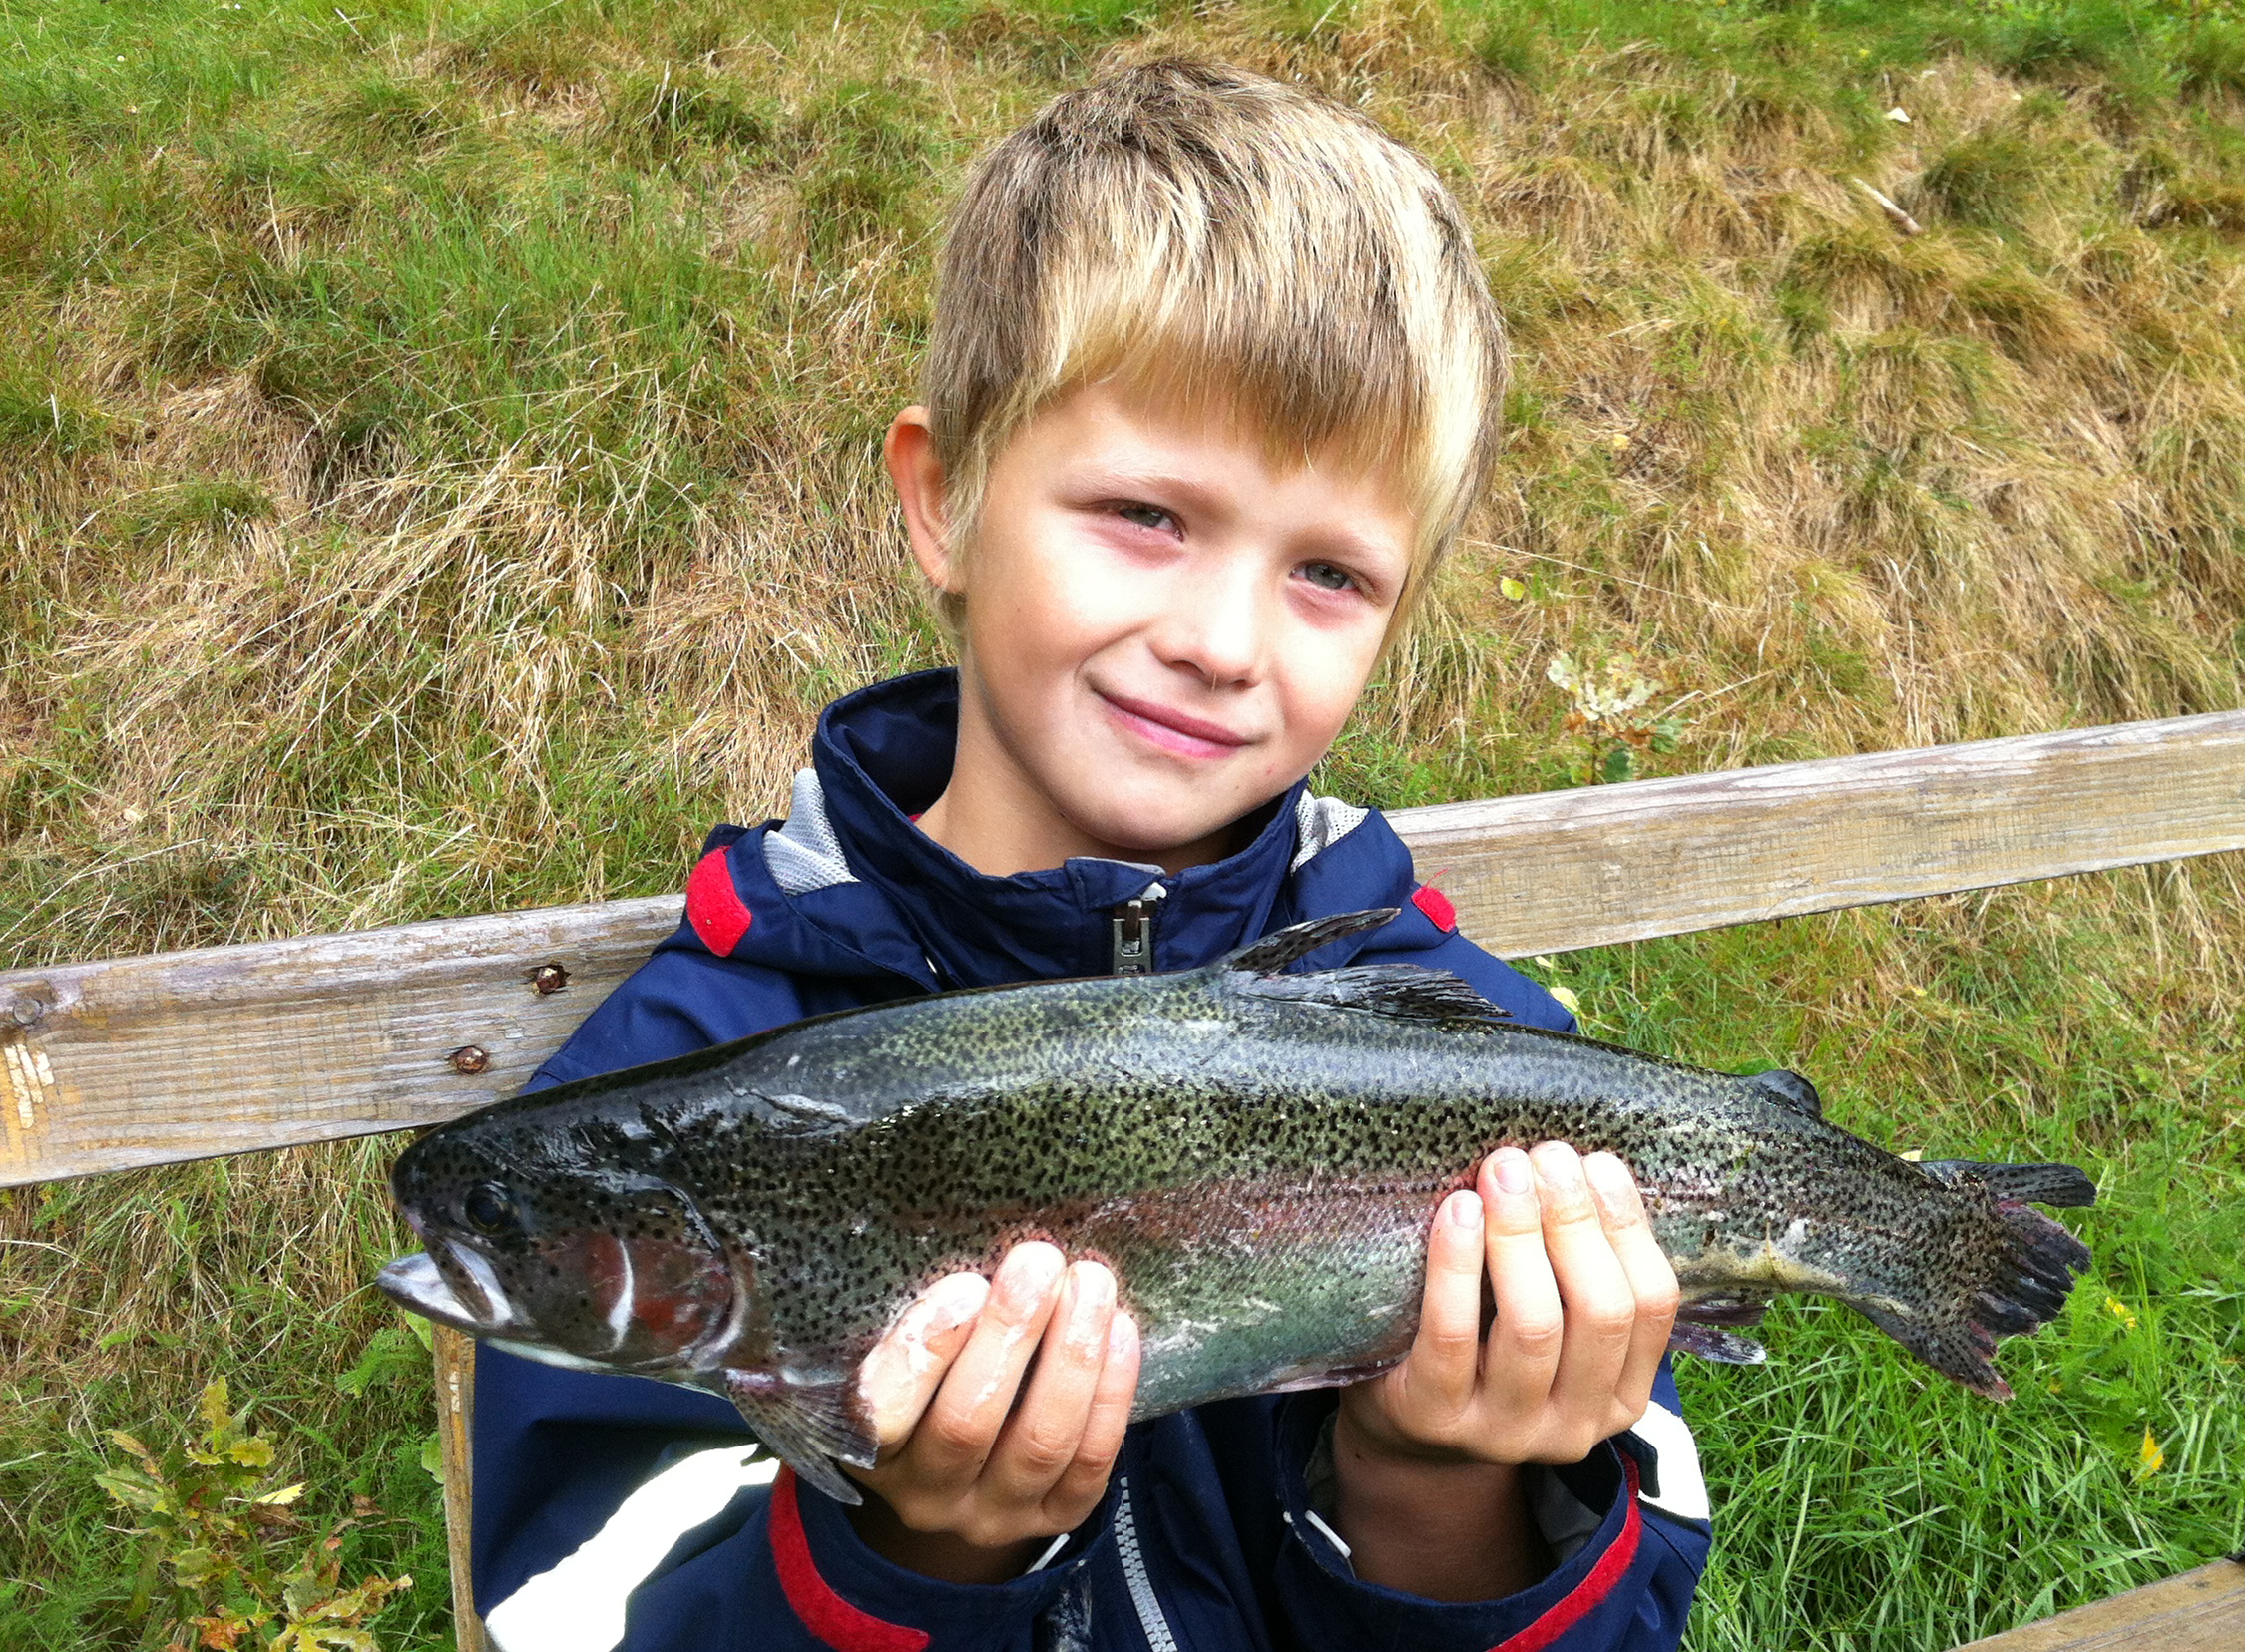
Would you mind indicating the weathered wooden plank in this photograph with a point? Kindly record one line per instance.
(1558, 871)
(2200, 1611)
(454, 1355)
(149, 1061)
(178, 1055)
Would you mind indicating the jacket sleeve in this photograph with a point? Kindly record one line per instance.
(618, 1514)
(1629, 1523)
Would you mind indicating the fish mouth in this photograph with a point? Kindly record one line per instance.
(420, 1284)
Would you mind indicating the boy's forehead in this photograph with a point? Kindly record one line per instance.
(1166, 435)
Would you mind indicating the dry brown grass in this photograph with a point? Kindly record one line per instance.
(1984, 488)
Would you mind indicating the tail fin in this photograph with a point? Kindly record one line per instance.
(2016, 1272)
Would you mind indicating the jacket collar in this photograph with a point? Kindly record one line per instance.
(884, 753)
(848, 885)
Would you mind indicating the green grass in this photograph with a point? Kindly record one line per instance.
(439, 473)
(1863, 1501)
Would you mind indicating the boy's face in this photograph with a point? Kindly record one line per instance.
(1161, 632)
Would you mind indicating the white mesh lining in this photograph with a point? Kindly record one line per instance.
(805, 854)
(1320, 822)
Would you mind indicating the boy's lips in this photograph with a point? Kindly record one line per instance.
(1171, 731)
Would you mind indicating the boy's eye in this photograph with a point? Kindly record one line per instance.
(1327, 574)
(1135, 512)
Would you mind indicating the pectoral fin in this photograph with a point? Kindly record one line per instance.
(808, 1426)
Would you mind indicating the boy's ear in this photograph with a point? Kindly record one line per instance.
(910, 451)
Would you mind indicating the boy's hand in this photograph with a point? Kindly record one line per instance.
(1585, 1303)
(1430, 1451)
(970, 1486)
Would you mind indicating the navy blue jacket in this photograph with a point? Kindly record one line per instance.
(617, 1512)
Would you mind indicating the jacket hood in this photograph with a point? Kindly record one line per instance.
(847, 885)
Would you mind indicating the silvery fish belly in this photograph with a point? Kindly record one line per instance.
(1257, 1154)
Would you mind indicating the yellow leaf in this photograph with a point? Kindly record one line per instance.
(2120, 1311)
(1565, 995)
(256, 1451)
(191, 1566)
(286, 1494)
(1514, 591)
(2150, 1457)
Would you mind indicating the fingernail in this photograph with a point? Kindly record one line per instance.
(1029, 1274)
(1121, 1335)
(1462, 1210)
(1608, 1176)
(1091, 1294)
(1513, 1172)
(950, 1302)
(1558, 1168)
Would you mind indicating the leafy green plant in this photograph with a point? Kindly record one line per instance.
(211, 1515)
(1608, 715)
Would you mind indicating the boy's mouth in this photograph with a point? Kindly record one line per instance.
(1171, 731)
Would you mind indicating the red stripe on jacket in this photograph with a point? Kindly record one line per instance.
(1436, 905)
(1587, 1596)
(824, 1613)
(713, 906)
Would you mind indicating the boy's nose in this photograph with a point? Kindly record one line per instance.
(1216, 627)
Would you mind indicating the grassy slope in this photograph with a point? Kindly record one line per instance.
(416, 427)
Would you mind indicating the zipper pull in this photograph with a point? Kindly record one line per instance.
(1131, 929)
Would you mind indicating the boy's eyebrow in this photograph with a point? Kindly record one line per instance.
(1124, 477)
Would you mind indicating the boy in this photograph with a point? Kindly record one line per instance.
(1210, 386)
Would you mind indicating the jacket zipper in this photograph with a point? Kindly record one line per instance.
(1130, 927)
(1151, 1621)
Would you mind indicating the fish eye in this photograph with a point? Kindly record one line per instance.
(490, 1210)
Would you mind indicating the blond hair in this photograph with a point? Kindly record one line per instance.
(1229, 245)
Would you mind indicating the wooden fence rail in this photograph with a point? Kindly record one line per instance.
(181, 1056)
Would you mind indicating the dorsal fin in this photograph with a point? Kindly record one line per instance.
(1792, 1089)
(1410, 992)
(1282, 947)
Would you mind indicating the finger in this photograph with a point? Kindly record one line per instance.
(1600, 1309)
(1085, 1481)
(1038, 1440)
(1437, 1380)
(1652, 1281)
(953, 1438)
(901, 1373)
(1525, 1341)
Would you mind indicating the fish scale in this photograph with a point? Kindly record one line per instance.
(1256, 1153)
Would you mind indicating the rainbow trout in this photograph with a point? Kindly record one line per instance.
(1257, 1154)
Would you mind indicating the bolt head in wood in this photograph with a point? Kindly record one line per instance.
(27, 1008)
(549, 978)
(470, 1058)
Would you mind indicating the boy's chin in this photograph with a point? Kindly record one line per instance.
(1156, 828)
